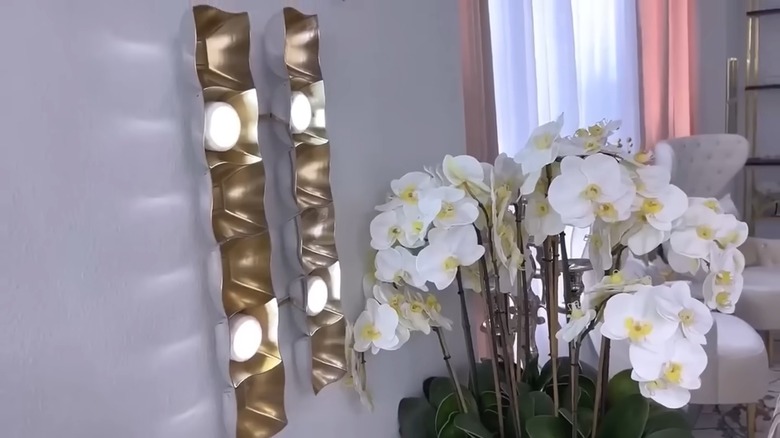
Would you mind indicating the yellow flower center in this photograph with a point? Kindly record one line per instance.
(637, 330)
(642, 157)
(417, 307)
(686, 317)
(395, 301)
(616, 278)
(723, 278)
(673, 372)
(433, 303)
(592, 145)
(394, 232)
(651, 206)
(712, 204)
(409, 195)
(705, 233)
(447, 210)
(606, 211)
(591, 192)
(656, 385)
(595, 240)
(543, 141)
(542, 209)
(450, 263)
(371, 333)
(723, 299)
(596, 130)
(417, 226)
(577, 313)
(582, 132)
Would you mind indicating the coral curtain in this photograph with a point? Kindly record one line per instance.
(667, 30)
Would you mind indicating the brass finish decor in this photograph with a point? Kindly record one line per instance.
(238, 217)
(315, 219)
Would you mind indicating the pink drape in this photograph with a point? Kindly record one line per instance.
(667, 57)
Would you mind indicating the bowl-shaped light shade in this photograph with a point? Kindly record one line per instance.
(316, 295)
(222, 126)
(245, 337)
(300, 112)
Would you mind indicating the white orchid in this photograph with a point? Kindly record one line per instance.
(732, 232)
(415, 221)
(407, 190)
(446, 251)
(465, 172)
(613, 284)
(375, 328)
(668, 373)
(433, 308)
(506, 178)
(356, 372)
(590, 188)
(695, 236)
(594, 138)
(635, 317)
(541, 148)
(398, 265)
(387, 294)
(386, 228)
(599, 246)
(657, 209)
(454, 208)
(680, 263)
(579, 319)
(415, 317)
(675, 303)
(541, 220)
(723, 285)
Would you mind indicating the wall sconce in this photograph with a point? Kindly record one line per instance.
(298, 113)
(222, 126)
(238, 219)
(246, 335)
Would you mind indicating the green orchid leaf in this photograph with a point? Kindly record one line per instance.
(427, 386)
(438, 389)
(626, 419)
(543, 404)
(587, 372)
(584, 420)
(416, 418)
(531, 373)
(450, 431)
(620, 386)
(472, 426)
(548, 426)
(671, 433)
(666, 420)
(446, 411)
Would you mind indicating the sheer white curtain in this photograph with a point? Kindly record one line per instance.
(577, 57)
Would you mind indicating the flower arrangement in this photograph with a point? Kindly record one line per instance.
(493, 228)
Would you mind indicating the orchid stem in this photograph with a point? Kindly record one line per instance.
(464, 313)
(574, 355)
(522, 295)
(550, 256)
(493, 345)
(446, 355)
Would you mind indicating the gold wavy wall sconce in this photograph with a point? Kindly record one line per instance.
(292, 46)
(238, 218)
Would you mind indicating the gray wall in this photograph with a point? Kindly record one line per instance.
(107, 273)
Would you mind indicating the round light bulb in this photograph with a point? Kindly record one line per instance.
(245, 337)
(316, 295)
(222, 126)
(300, 112)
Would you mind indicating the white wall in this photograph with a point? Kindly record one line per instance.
(101, 268)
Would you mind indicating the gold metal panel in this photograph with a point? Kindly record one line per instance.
(238, 218)
(316, 218)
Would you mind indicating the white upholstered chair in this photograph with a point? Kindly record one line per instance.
(738, 373)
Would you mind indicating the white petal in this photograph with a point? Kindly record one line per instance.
(380, 229)
(388, 263)
(645, 239)
(646, 363)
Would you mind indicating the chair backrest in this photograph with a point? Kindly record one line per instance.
(703, 165)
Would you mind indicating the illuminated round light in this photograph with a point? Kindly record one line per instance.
(245, 337)
(300, 112)
(316, 295)
(222, 127)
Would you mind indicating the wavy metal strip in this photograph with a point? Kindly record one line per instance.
(316, 218)
(238, 218)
